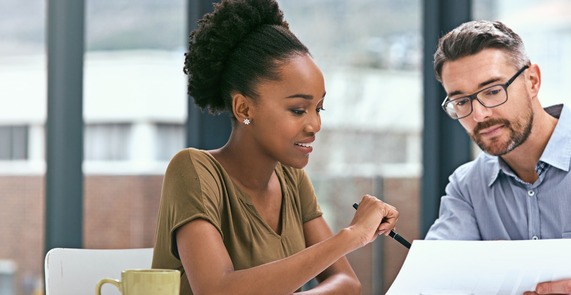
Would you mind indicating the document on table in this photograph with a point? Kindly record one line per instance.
(481, 267)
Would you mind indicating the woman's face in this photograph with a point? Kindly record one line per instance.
(285, 117)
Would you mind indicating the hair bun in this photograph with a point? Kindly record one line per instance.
(217, 35)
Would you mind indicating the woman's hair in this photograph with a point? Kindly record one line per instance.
(472, 37)
(239, 44)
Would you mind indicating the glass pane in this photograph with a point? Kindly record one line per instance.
(370, 54)
(544, 28)
(369, 51)
(6, 143)
(170, 140)
(22, 112)
(107, 142)
(545, 31)
(19, 142)
(133, 82)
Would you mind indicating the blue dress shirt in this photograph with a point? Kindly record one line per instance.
(485, 200)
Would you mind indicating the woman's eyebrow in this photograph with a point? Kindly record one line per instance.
(304, 96)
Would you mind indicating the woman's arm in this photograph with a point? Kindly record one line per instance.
(339, 278)
(210, 270)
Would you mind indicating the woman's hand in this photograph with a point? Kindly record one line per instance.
(373, 218)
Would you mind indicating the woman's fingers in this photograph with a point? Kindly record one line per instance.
(382, 215)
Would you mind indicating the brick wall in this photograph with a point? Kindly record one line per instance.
(119, 212)
(21, 226)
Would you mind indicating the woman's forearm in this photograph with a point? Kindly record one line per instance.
(286, 275)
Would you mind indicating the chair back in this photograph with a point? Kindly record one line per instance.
(70, 271)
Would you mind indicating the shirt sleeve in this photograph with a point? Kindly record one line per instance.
(456, 219)
(188, 193)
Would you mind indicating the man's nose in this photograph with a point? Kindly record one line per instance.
(479, 112)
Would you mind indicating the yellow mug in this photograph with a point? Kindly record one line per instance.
(145, 282)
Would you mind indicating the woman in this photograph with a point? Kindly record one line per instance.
(244, 219)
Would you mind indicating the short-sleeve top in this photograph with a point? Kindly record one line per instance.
(196, 186)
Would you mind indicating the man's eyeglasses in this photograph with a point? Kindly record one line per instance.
(489, 97)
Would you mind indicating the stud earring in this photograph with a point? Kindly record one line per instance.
(247, 121)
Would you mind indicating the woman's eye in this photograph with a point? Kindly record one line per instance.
(298, 112)
(320, 109)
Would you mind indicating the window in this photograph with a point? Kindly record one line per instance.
(13, 142)
(170, 139)
(370, 53)
(107, 142)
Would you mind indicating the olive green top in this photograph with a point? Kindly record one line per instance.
(197, 186)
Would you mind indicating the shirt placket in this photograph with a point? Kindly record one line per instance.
(533, 225)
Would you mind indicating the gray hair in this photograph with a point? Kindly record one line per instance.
(472, 37)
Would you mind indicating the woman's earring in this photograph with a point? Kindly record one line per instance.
(246, 121)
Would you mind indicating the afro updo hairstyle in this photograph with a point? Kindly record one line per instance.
(239, 44)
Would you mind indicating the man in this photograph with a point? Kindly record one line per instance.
(520, 187)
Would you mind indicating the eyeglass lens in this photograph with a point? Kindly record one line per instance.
(488, 97)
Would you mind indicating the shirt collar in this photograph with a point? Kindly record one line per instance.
(496, 169)
(557, 153)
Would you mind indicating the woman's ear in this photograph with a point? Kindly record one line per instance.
(241, 107)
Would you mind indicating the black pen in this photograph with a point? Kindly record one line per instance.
(392, 234)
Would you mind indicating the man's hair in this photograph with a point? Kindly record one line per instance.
(472, 37)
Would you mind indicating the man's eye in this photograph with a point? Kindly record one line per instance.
(492, 91)
(461, 102)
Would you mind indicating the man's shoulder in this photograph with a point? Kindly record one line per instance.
(483, 166)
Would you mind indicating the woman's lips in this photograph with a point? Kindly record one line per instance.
(305, 146)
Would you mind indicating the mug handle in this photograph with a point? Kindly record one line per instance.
(116, 283)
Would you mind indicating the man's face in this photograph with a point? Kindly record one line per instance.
(501, 129)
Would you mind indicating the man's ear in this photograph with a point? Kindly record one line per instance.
(241, 107)
(534, 79)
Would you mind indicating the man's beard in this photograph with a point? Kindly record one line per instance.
(519, 132)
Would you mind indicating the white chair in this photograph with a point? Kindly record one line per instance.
(71, 271)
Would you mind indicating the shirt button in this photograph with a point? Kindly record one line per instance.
(535, 238)
(530, 193)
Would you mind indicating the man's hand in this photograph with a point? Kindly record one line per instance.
(554, 287)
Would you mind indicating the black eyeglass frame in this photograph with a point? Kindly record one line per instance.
(474, 96)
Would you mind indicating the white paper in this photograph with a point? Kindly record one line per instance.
(481, 267)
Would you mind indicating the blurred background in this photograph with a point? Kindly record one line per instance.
(135, 116)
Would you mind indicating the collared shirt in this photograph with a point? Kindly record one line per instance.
(485, 200)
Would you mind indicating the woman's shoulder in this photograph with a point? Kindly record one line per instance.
(191, 154)
(192, 159)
